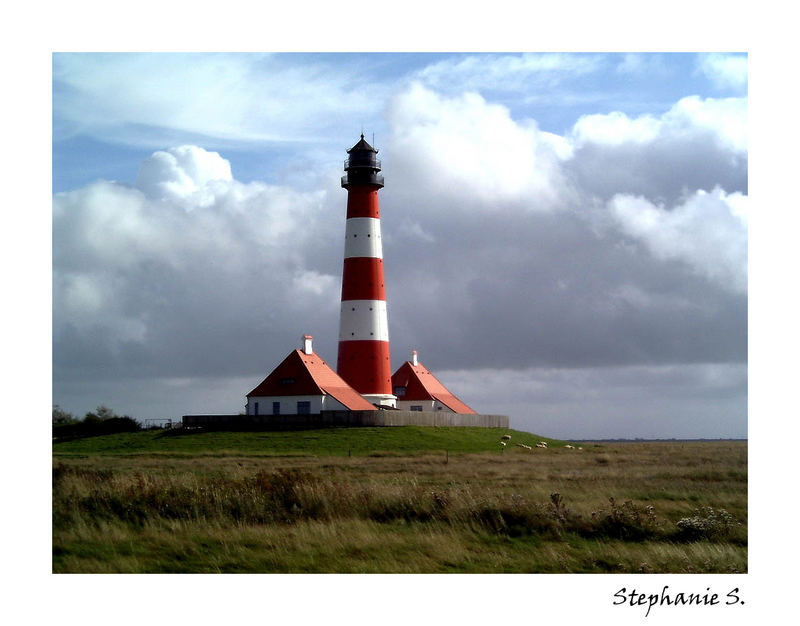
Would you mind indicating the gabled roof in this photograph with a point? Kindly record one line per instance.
(301, 374)
(420, 384)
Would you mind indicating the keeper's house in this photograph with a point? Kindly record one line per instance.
(419, 390)
(304, 384)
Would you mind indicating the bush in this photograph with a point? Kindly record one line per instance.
(62, 417)
(628, 522)
(103, 421)
(706, 524)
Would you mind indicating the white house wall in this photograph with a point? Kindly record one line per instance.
(289, 404)
(427, 405)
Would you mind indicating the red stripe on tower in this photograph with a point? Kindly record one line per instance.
(363, 360)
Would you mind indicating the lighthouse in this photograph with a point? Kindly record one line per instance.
(363, 358)
(303, 391)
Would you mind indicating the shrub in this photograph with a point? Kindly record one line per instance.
(626, 521)
(103, 421)
(62, 417)
(706, 524)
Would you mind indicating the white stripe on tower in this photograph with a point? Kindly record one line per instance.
(363, 238)
(363, 320)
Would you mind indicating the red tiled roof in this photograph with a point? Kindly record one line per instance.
(303, 374)
(420, 384)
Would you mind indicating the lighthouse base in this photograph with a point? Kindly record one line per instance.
(381, 399)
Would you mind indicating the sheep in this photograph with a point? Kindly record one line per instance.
(505, 437)
(503, 443)
(543, 444)
(522, 445)
(569, 447)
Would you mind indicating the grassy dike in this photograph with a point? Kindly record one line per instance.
(320, 442)
(406, 499)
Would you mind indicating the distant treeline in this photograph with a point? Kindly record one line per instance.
(101, 421)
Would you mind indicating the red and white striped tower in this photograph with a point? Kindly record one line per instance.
(363, 360)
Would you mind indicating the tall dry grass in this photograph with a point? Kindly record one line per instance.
(619, 508)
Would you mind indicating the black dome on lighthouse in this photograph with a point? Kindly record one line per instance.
(362, 146)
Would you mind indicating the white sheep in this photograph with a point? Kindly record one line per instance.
(543, 444)
(503, 443)
(569, 447)
(505, 437)
(522, 445)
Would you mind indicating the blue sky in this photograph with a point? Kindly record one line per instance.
(553, 89)
(565, 233)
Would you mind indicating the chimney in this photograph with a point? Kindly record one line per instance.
(307, 344)
(414, 357)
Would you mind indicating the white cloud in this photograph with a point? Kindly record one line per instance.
(696, 144)
(466, 145)
(725, 118)
(725, 70)
(317, 283)
(615, 128)
(640, 64)
(507, 72)
(708, 231)
(107, 222)
(179, 172)
(241, 97)
(135, 266)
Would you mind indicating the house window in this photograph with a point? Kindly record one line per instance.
(255, 409)
(276, 408)
(416, 407)
(303, 407)
(399, 391)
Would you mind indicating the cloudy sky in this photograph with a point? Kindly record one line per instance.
(565, 235)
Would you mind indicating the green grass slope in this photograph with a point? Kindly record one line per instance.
(322, 442)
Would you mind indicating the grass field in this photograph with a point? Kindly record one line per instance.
(322, 442)
(408, 499)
